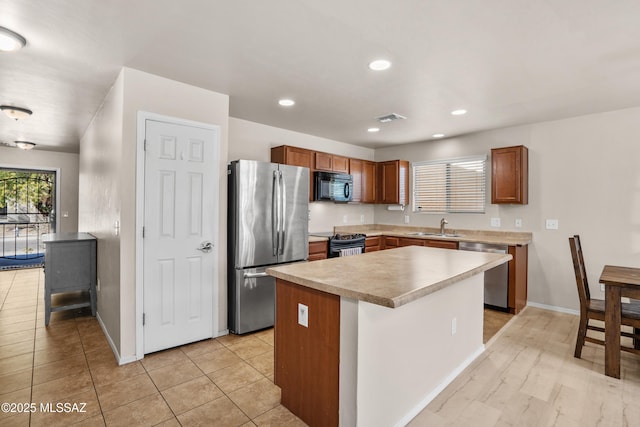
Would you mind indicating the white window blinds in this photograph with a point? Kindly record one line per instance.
(450, 186)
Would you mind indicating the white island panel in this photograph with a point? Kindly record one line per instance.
(405, 356)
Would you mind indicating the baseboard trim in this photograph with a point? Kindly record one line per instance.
(435, 392)
(553, 308)
(119, 359)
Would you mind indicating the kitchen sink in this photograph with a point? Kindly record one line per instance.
(422, 233)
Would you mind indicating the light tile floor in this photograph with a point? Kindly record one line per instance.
(220, 382)
(226, 381)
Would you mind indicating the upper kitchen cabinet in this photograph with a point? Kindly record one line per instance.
(393, 182)
(293, 156)
(331, 163)
(364, 180)
(510, 175)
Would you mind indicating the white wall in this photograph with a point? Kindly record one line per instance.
(100, 201)
(583, 171)
(253, 141)
(109, 166)
(66, 163)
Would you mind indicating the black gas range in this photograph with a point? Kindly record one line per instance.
(343, 244)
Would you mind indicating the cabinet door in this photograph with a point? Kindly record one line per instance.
(324, 161)
(355, 169)
(390, 242)
(509, 175)
(408, 241)
(340, 164)
(368, 182)
(393, 185)
(295, 156)
(318, 250)
(372, 244)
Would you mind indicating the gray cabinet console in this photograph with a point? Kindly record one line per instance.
(70, 265)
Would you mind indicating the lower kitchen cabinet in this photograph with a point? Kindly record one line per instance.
(372, 244)
(443, 244)
(389, 242)
(318, 250)
(518, 271)
(408, 241)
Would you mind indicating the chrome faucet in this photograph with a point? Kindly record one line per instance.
(442, 223)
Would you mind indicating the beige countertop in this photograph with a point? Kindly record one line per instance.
(389, 278)
(317, 239)
(510, 238)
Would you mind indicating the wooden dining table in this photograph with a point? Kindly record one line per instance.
(618, 282)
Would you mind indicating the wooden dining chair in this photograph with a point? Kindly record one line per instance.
(594, 308)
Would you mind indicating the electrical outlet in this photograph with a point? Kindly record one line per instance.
(406, 219)
(303, 315)
(454, 326)
(601, 287)
(362, 219)
(518, 223)
(552, 224)
(495, 222)
(344, 219)
(98, 285)
(309, 214)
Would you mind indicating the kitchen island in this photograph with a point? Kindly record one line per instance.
(370, 339)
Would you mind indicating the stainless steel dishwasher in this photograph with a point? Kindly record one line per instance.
(496, 280)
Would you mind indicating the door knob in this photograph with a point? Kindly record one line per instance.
(206, 247)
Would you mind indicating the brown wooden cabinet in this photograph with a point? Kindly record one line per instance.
(393, 182)
(331, 163)
(372, 244)
(318, 250)
(364, 180)
(410, 241)
(518, 267)
(295, 156)
(510, 175)
(389, 242)
(442, 244)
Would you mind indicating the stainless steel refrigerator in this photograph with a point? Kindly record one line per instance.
(268, 215)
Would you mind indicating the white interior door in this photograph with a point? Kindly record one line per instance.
(180, 169)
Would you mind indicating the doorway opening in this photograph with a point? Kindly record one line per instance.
(27, 211)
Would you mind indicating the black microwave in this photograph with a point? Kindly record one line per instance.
(333, 186)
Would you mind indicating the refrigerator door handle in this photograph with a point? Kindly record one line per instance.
(274, 214)
(283, 212)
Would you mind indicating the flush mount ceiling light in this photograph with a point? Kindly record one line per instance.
(15, 113)
(11, 41)
(25, 145)
(459, 112)
(287, 102)
(373, 130)
(438, 135)
(379, 65)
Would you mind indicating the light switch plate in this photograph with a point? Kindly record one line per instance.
(495, 222)
(406, 219)
(552, 224)
(518, 223)
(303, 315)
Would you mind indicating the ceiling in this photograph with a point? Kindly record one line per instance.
(508, 62)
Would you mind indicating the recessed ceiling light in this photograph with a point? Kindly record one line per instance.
(11, 41)
(25, 145)
(373, 130)
(379, 65)
(15, 113)
(438, 135)
(458, 112)
(286, 102)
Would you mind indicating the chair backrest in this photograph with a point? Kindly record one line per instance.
(580, 271)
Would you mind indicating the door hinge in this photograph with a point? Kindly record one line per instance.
(144, 146)
(143, 232)
(143, 319)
